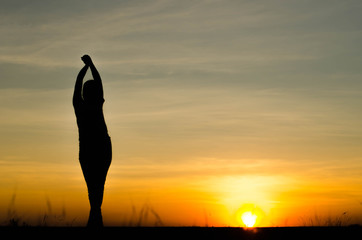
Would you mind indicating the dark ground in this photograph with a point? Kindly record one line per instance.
(156, 233)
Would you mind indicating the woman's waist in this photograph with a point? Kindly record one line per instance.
(94, 137)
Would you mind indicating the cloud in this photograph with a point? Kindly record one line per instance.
(208, 42)
(50, 34)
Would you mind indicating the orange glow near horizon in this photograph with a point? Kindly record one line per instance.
(238, 201)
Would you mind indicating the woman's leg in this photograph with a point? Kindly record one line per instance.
(95, 195)
(95, 172)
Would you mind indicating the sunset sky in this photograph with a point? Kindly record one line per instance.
(211, 106)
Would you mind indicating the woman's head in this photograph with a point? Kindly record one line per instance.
(90, 93)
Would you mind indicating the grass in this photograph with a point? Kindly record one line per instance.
(49, 218)
(145, 216)
(16, 227)
(343, 219)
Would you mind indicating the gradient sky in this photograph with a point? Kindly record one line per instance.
(210, 105)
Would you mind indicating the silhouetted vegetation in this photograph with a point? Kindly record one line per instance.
(343, 219)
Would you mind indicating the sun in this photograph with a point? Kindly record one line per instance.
(249, 218)
(249, 215)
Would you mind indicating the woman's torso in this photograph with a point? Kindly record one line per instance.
(90, 121)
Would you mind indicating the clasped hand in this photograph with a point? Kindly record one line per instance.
(87, 60)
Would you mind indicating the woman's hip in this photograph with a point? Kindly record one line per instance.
(96, 150)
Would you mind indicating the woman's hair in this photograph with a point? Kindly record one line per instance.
(90, 91)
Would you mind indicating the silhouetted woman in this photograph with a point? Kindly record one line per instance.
(95, 149)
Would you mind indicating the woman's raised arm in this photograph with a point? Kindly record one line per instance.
(96, 77)
(77, 95)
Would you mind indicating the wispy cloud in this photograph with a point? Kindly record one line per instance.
(156, 31)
